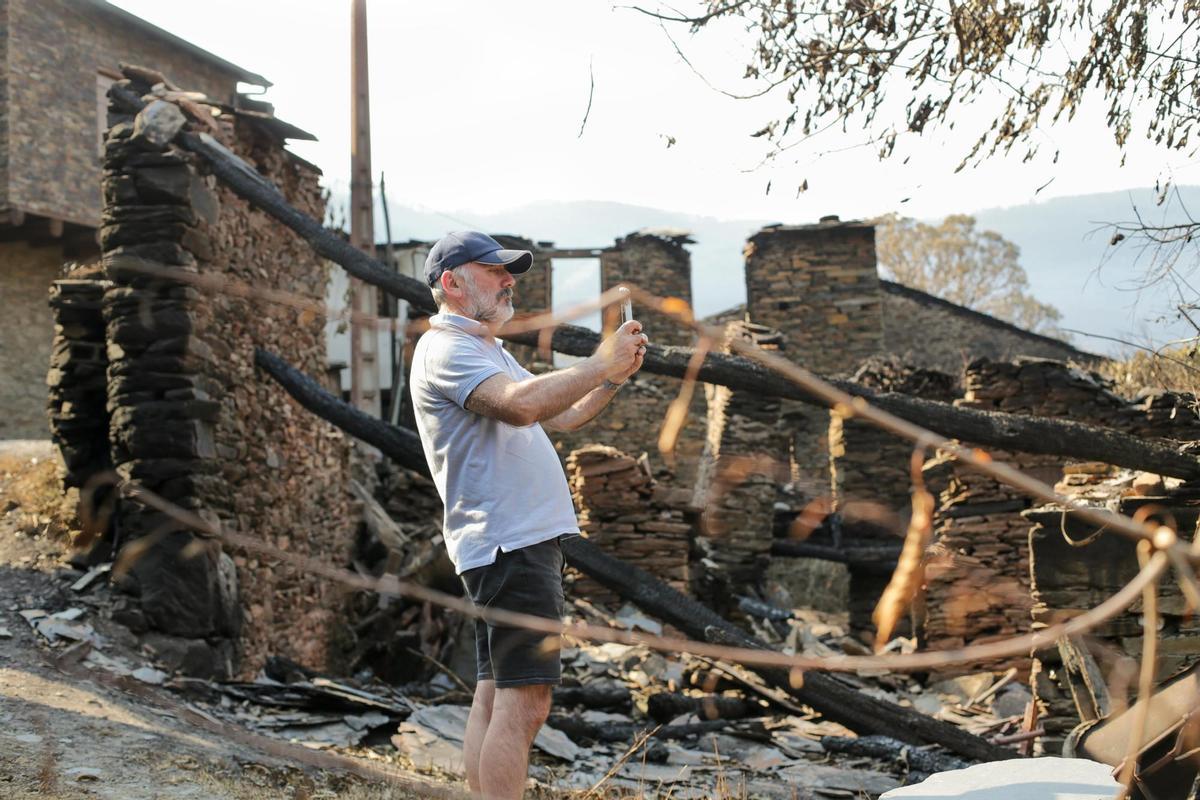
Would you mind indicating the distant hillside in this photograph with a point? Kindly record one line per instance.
(1063, 248)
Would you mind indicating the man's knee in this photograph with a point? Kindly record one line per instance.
(485, 695)
(539, 705)
(527, 706)
(483, 701)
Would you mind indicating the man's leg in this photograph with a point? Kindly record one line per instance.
(477, 727)
(517, 715)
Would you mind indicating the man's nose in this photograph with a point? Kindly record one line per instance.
(508, 280)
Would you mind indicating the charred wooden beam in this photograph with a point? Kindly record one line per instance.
(666, 706)
(399, 444)
(606, 696)
(988, 428)
(854, 555)
(914, 758)
(624, 732)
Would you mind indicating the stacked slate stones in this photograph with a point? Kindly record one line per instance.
(978, 581)
(77, 414)
(623, 510)
(872, 480)
(156, 212)
(745, 460)
(77, 379)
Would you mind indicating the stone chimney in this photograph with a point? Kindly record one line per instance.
(818, 285)
(657, 262)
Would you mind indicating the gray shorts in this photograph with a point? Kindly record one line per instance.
(528, 581)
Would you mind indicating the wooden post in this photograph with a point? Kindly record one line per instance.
(364, 338)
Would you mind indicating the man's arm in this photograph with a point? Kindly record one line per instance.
(584, 410)
(547, 396)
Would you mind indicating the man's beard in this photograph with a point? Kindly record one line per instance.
(495, 310)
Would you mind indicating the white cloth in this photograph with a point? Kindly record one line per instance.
(1049, 778)
(503, 486)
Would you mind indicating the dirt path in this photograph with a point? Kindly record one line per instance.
(71, 729)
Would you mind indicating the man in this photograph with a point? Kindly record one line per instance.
(481, 417)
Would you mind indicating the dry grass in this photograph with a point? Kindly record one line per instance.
(1176, 369)
(31, 487)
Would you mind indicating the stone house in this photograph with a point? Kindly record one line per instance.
(57, 60)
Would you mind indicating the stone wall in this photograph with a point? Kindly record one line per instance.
(745, 459)
(871, 475)
(26, 335)
(193, 421)
(978, 585)
(54, 147)
(977, 579)
(657, 263)
(927, 331)
(624, 511)
(818, 286)
(78, 379)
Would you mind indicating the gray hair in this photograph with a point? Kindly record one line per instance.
(439, 294)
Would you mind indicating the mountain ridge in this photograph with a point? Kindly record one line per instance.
(1063, 240)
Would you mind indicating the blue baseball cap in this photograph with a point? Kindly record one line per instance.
(463, 247)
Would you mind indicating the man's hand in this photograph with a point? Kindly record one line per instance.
(621, 354)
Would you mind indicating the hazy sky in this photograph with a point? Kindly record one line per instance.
(477, 105)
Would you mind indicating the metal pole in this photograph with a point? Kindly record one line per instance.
(364, 341)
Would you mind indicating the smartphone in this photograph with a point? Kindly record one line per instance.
(626, 305)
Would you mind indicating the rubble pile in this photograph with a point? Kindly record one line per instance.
(624, 510)
(630, 720)
(626, 718)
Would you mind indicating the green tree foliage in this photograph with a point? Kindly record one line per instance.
(952, 260)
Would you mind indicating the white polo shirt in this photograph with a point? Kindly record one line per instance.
(503, 486)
